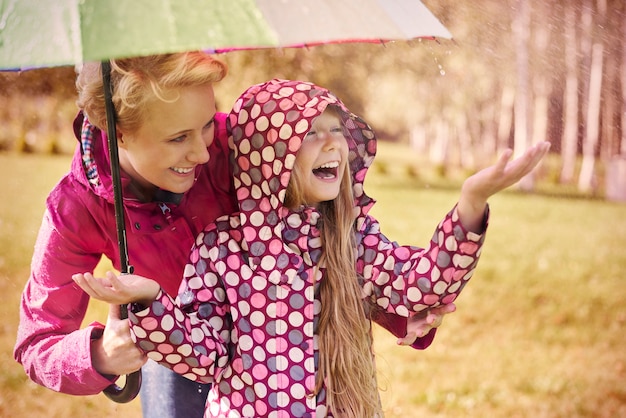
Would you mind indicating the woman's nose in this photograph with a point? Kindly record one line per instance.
(199, 152)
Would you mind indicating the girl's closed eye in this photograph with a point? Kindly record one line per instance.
(209, 123)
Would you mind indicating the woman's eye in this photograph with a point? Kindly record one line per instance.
(179, 138)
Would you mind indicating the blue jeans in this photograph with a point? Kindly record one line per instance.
(165, 394)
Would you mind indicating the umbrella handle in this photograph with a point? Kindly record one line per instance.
(133, 380)
(128, 392)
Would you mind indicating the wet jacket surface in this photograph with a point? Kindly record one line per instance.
(78, 228)
(245, 317)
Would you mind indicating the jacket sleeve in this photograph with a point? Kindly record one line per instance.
(192, 342)
(54, 351)
(406, 279)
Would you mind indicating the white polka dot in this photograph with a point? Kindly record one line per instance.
(296, 319)
(157, 336)
(285, 132)
(440, 287)
(257, 218)
(451, 244)
(184, 350)
(257, 319)
(278, 119)
(462, 261)
(414, 294)
(255, 111)
(298, 391)
(243, 117)
(268, 263)
(261, 390)
(296, 354)
(262, 124)
(167, 323)
(268, 154)
(173, 358)
(197, 335)
(259, 354)
(301, 127)
(244, 308)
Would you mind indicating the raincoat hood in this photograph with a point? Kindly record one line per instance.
(268, 123)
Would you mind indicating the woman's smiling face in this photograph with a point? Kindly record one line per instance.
(172, 141)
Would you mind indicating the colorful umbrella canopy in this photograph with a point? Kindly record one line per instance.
(44, 33)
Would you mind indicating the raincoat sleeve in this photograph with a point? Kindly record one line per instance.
(197, 325)
(54, 351)
(403, 280)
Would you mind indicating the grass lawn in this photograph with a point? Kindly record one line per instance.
(539, 332)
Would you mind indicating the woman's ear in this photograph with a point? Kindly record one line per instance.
(120, 138)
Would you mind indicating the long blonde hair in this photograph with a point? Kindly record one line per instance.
(346, 363)
(139, 80)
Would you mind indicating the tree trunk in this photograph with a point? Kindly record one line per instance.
(592, 132)
(505, 122)
(521, 31)
(569, 142)
(541, 83)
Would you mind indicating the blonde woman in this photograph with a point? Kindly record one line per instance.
(176, 179)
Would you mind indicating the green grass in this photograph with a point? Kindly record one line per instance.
(539, 332)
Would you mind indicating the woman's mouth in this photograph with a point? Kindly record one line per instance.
(181, 170)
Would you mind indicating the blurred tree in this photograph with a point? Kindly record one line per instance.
(569, 141)
(592, 131)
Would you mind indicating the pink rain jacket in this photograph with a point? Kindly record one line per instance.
(78, 228)
(246, 315)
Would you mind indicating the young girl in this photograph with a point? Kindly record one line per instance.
(276, 301)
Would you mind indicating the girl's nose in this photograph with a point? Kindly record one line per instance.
(331, 141)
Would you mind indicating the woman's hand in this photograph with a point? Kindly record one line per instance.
(115, 353)
(421, 323)
(110, 289)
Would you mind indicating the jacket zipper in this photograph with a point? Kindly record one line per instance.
(167, 212)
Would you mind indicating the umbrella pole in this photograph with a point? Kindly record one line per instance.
(133, 380)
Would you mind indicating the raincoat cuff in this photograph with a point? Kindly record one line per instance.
(469, 235)
(139, 309)
(425, 341)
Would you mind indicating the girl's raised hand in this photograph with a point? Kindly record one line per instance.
(110, 289)
(491, 180)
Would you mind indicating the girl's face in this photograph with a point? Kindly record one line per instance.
(171, 141)
(322, 159)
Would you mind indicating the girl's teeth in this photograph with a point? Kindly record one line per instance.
(182, 170)
(330, 165)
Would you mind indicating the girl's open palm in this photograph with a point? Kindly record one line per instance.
(110, 289)
(504, 173)
(489, 181)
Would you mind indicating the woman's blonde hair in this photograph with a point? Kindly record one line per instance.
(139, 80)
(346, 360)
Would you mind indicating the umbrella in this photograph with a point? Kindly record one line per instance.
(44, 33)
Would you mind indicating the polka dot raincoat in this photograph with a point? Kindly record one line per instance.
(245, 315)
